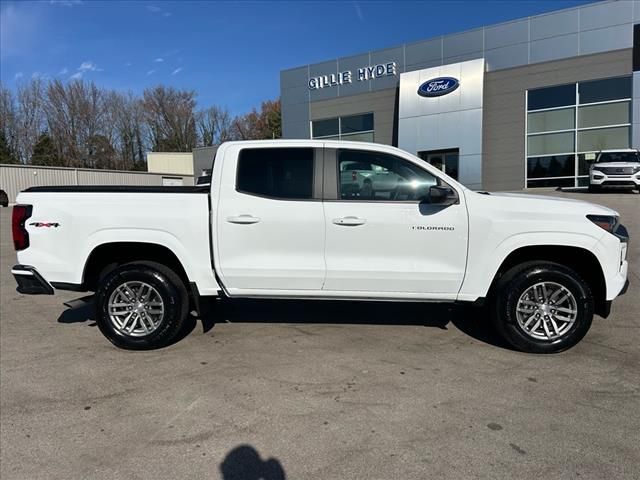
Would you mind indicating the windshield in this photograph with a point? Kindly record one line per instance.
(618, 157)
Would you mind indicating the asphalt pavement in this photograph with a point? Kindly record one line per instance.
(317, 390)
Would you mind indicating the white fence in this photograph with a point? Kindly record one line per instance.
(15, 178)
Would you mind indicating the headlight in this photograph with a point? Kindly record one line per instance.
(636, 169)
(606, 222)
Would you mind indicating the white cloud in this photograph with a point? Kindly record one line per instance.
(127, 64)
(358, 11)
(159, 60)
(157, 10)
(76, 76)
(151, 72)
(87, 66)
(172, 52)
(176, 71)
(66, 3)
(18, 76)
(64, 71)
(20, 28)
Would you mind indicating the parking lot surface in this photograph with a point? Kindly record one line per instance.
(322, 390)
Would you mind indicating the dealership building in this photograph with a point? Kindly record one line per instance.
(525, 103)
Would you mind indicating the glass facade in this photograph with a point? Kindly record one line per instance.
(357, 128)
(565, 123)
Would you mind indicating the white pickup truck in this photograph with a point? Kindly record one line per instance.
(285, 219)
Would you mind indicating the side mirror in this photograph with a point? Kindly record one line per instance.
(442, 196)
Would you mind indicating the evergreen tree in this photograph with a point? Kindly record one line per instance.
(44, 152)
(6, 154)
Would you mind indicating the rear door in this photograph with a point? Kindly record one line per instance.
(270, 220)
(381, 237)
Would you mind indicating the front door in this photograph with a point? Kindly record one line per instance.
(270, 221)
(380, 236)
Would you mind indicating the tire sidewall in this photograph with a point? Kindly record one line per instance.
(166, 289)
(545, 273)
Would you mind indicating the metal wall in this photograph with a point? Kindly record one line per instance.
(585, 30)
(203, 159)
(382, 104)
(503, 137)
(15, 178)
(450, 121)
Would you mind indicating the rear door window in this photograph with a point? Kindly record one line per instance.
(282, 173)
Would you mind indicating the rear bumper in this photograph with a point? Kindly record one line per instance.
(30, 282)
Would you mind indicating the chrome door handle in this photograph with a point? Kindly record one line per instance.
(349, 221)
(243, 219)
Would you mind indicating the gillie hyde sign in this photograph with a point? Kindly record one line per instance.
(347, 76)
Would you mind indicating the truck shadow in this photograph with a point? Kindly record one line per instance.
(471, 320)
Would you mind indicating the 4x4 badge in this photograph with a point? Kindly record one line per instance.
(45, 224)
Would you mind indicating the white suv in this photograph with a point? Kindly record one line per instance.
(615, 168)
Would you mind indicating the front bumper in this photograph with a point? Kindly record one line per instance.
(620, 281)
(597, 178)
(30, 282)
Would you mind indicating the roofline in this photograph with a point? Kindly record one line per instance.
(414, 42)
(169, 153)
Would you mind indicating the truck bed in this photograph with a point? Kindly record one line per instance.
(69, 222)
(119, 189)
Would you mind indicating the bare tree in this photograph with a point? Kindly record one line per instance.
(75, 116)
(80, 124)
(214, 126)
(8, 125)
(30, 117)
(170, 119)
(259, 125)
(126, 117)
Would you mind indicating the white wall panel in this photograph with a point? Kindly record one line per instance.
(15, 178)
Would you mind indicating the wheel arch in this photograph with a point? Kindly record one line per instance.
(108, 256)
(581, 260)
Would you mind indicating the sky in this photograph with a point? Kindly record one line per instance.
(230, 53)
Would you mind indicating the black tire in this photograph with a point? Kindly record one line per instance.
(167, 284)
(513, 285)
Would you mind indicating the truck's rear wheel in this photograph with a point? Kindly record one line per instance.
(542, 307)
(141, 305)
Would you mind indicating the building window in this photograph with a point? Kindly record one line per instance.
(283, 173)
(568, 124)
(352, 127)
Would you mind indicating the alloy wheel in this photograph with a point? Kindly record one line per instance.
(546, 311)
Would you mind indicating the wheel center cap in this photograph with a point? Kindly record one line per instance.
(545, 308)
(139, 307)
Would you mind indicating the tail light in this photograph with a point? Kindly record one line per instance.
(354, 176)
(18, 219)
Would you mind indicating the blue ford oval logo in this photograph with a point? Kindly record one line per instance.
(436, 87)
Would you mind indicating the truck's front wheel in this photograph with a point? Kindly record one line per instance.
(141, 305)
(542, 307)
